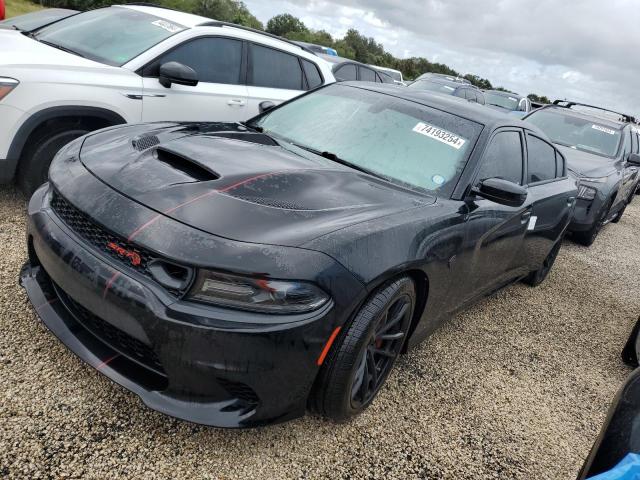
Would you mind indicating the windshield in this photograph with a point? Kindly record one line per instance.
(579, 133)
(399, 140)
(34, 20)
(508, 102)
(109, 35)
(430, 86)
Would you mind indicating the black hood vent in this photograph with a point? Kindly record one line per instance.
(184, 164)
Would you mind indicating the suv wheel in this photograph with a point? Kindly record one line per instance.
(359, 364)
(588, 237)
(34, 166)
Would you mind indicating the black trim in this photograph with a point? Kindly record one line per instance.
(37, 119)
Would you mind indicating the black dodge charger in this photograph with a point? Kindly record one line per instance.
(238, 274)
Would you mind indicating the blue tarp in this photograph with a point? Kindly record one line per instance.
(627, 469)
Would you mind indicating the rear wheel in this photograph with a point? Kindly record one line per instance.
(34, 166)
(359, 364)
(536, 277)
(588, 237)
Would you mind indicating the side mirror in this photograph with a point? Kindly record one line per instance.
(501, 191)
(266, 105)
(174, 72)
(634, 159)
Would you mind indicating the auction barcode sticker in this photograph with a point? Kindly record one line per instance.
(169, 27)
(440, 135)
(603, 129)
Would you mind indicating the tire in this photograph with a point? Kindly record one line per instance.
(354, 359)
(34, 166)
(619, 215)
(536, 277)
(588, 237)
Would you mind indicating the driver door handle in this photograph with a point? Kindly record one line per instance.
(236, 102)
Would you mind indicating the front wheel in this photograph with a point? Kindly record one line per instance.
(588, 237)
(359, 364)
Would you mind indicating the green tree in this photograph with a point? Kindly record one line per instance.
(284, 24)
(536, 98)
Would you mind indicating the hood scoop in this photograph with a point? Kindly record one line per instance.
(145, 142)
(186, 165)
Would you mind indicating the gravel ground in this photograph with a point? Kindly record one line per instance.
(515, 387)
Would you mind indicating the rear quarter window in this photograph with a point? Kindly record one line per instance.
(274, 69)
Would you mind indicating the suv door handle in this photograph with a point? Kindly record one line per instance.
(236, 102)
(571, 201)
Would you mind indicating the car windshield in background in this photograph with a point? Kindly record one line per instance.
(508, 102)
(112, 35)
(401, 141)
(431, 86)
(34, 20)
(580, 133)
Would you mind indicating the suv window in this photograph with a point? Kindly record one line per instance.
(626, 145)
(634, 142)
(346, 72)
(273, 68)
(367, 75)
(215, 60)
(314, 79)
(541, 160)
(503, 158)
(480, 98)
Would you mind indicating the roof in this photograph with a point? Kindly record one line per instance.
(444, 81)
(335, 59)
(602, 120)
(505, 94)
(185, 19)
(471, 111)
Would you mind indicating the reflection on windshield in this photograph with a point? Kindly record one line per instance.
(390, 137)
(508, 102)
(576, 132)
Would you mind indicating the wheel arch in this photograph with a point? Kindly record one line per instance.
(101, 117)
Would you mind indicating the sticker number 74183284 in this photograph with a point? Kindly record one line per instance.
(448, 138)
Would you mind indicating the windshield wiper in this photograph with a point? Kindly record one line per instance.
(334, 158)
(60, 47)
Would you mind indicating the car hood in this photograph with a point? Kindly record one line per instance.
(18, 50)
(587, 164)
(238, 184)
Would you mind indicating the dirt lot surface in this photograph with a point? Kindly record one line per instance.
(515, 387)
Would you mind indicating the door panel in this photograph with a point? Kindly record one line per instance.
(211, 102)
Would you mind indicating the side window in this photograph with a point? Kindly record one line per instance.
(626, 146)
(274, 69)
(541, 160)
(634, 142)
(216, 60)
(503, 158)
(637, 150)
(313, 75)
(471, 96)
(367, 75)
(480, 96)
(460, 92)
(559, 165)
(346, 72)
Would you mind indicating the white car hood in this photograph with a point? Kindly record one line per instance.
(18, 50)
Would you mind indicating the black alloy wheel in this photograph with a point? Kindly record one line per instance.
(362, 357)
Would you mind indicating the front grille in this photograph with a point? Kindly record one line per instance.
(98, 236)
(115, 338)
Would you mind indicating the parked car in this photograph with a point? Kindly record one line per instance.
(395, 74)
(233, 274)
(34, 20)
(126, 64)
(600, 151)
(507, 102)
(345, 69)
(449, 87)
(2, 11)
(318, 48)
(619, 440)
(443, 76)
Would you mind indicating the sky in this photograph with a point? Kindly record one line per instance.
(587, 50)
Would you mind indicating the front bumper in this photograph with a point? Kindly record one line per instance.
(198, 363)
(10, 119)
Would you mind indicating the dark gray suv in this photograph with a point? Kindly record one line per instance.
(601, 148)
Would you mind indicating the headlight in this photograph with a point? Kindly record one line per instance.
(586, 193)
(7, 85)
(256, 294)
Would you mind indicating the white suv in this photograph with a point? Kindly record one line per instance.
(127, 64)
